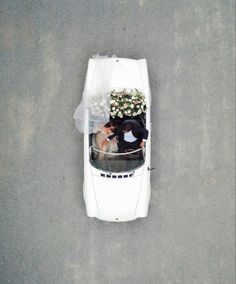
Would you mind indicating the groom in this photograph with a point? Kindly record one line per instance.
(130, 136)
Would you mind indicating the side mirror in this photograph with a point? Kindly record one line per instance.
(151, 169)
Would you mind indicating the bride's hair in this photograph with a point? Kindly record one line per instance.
(110, 124)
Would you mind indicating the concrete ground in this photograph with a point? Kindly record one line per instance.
(188, 236)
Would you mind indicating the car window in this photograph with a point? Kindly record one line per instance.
(115, 162)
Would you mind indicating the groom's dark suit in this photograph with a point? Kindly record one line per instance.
(139, 133)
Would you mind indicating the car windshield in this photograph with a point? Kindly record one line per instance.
(116, 162)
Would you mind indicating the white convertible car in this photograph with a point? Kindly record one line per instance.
(116, 185)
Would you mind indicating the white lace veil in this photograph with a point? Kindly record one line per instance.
(95, 104)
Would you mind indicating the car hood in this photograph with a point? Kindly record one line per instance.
(117, 198)
(115, 73)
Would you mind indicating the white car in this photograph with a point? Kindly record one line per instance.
(117, 187)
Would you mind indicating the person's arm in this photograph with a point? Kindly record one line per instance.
(117, 132)
(144, 136)
(110, 137)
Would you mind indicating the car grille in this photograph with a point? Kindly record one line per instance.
(116, 176)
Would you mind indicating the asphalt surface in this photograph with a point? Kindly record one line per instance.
(188, 236)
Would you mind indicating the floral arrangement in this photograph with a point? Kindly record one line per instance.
(127, 103)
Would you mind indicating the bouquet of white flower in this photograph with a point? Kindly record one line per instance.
(127, 103)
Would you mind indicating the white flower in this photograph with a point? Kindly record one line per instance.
(125, 102)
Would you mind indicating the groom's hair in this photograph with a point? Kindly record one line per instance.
(128, 127)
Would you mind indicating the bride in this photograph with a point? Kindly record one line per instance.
(102, 133)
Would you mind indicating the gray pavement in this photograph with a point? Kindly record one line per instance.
(188, 236)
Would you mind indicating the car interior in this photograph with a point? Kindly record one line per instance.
(114, 161)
